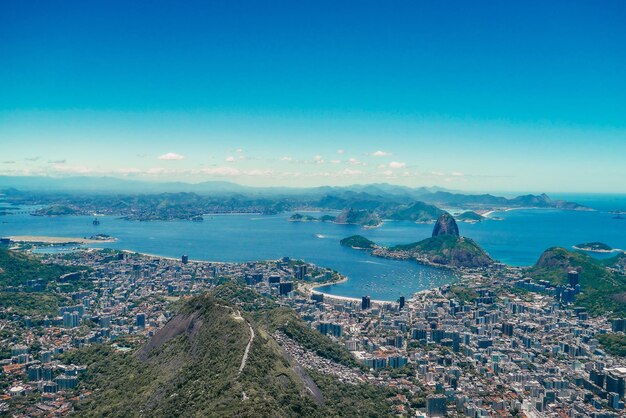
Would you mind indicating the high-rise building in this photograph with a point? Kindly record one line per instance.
(285, 288)
(49, 387)
(366, 302)
(140, 320)
(35, 373)
(401, 302)
(436, 406)
(66, 382)
(273, 279)
(185, 259)
(613, 399)
(317, 297)
(572, 277)
(67, 320)
(618, 325)
(45, 356)
(301, 271)
(507, 329)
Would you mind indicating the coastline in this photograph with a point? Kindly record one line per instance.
(311, 288)
(589, 250)
(35, 239)
(168, 258)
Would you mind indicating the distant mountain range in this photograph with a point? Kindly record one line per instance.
(142, 200)
(329, 196)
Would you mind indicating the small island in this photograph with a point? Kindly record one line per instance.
(470, 217)
(594, 247)
(297, 217)
(358, 242)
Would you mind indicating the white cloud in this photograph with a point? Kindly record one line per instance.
(171, 156)
(380, 153)
(387, 172)
(239, 150)
(57, 161)
(350, 172)
(258, 173)
(319, 159)
(353, 161)
(230, 159)
(456, 174)
(155, 171)
(341, 151)
(127, 171)
(335, 161)
(221, 171)
(396, 164)
(286, 158)
(73, 169)
(8, 162)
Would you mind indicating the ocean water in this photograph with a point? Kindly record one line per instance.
(518, 239)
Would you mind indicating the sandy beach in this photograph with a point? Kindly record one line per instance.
(309, 288)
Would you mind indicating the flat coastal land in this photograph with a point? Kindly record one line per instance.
(56, 240)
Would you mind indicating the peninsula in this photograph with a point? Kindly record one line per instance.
(445, 248)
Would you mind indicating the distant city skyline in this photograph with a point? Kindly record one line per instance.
(487, 97)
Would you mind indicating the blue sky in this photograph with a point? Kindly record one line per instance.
(489, 96)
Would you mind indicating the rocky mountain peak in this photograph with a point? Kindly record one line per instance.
(446, 225)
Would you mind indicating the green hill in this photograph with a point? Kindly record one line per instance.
(416, 212)
(297, 217)
(602, 289)
(448, 250)
(191, 368)
(57, 210)
(470, 216)
(358, 241)
(361, 217)
(17, 268)
(617, 262)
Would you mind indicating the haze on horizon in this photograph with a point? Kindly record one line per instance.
(479, 97)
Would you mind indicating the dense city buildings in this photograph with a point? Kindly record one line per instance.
(488, 346)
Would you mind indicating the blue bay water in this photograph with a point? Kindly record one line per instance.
(518, 239)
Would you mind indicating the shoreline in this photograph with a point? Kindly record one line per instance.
(311, 288)
(35, 239)
(589, 250)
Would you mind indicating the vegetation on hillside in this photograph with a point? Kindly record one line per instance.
(470, 216)
(361, 217)
(464, 294)
(416, 212)
(191, 369)
(267, 313)
(17, 268)
(613, 343)
(30, 304)
(358, 241)
(298, 217)
(448, 250)
(57, 210)
(602, 289)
